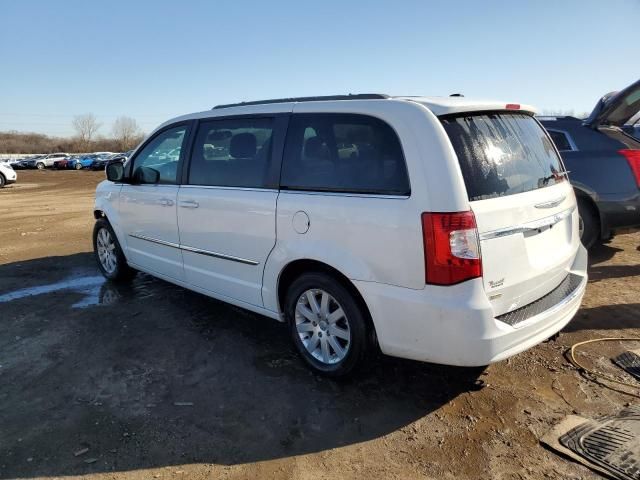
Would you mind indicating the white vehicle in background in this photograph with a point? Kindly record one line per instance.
(47, 160)
(436, 229)
(7, 174)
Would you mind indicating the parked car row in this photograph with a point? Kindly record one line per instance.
(61, 161)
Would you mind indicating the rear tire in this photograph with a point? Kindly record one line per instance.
(78, 166)
(589, 224)
(108, 253)
(330, 334)
(3, 181)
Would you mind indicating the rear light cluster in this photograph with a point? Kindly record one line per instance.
(633, 157)
(451, 247)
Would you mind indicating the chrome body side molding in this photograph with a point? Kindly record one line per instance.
(187, 248)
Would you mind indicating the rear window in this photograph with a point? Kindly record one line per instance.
(502, 154)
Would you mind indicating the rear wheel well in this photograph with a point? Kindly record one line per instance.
(586, 200)
(296, 268)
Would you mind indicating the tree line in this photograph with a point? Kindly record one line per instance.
(125, 135)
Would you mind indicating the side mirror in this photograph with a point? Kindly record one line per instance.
(146, 175)
(115, 172)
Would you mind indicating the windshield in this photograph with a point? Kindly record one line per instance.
(502, 153)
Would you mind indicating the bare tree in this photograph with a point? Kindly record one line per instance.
(86, 126)
(126, 132)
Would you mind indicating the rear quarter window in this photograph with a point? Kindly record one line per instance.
(345, 153)
(502, 154)
(561, 140)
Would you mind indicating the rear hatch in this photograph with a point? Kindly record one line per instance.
(617, 109)
(524, 206)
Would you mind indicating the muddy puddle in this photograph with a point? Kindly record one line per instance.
(94, 290)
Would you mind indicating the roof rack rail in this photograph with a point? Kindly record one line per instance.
(357, 96)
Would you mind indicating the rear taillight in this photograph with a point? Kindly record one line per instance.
(633, 157)
(451, 247)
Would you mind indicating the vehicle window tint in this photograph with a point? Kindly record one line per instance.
(502, 154)
(232, 153)
(560, 139)
(160, 155)
(343, 153)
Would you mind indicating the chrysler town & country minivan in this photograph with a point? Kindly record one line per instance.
(437, 229)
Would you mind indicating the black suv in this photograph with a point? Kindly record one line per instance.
(603, 160)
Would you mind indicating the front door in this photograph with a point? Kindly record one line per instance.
(148, 204)
(226, 210)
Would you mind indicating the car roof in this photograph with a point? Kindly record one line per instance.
(558, 118)
(438, 105)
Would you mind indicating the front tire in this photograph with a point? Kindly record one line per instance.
(327, 324)
(3, 181)
(40, 166)
(108, 253)
(78, 166)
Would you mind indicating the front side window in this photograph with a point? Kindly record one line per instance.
(158, 161)
(343, 153)
(232, 153)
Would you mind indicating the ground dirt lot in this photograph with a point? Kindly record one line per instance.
(159, 382)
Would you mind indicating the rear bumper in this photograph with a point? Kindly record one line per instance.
(455, 325)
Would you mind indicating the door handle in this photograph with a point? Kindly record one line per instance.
(189, 204)
(166, 202)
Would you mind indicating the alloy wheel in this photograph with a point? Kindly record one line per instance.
(322, 326)
(106, 247)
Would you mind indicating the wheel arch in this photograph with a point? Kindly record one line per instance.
(588, 199)
(111, 218)
(295, 268)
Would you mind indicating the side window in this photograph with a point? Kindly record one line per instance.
(232, 153)
(158, 161)
(561, 140)
(343, 153)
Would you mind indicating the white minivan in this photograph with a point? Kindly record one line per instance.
(437, 229)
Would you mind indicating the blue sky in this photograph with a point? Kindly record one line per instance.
(153, 60)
